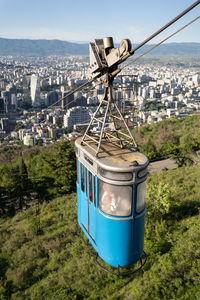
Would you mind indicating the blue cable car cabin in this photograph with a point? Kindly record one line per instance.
(111, 201)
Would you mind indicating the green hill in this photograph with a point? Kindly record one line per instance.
(27, 47)
(56, 263)
(178, 138)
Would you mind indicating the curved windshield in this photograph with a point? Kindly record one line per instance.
(116, 175)
(115, 200)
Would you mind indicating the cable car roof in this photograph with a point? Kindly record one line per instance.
(114, 158)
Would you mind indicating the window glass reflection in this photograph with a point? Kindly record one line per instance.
(115, 200)
(140, 201)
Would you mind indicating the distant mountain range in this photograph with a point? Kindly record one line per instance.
(26, 47)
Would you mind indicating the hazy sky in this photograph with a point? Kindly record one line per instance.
(84, 20)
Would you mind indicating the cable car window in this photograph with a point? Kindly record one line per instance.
(115, 200)
(86, 184)
(116, 175)
(82, 179)
(140, 201)
(77, 171)
(142, 173)
(88, 160)
(90, 187)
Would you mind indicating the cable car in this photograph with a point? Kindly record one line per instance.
(111, 202)
(112, 173)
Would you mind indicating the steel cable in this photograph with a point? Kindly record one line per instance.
(166, 26)
(161, 42)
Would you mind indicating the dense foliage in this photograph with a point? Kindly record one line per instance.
(50, 173)
(177, 138)
(56, 264)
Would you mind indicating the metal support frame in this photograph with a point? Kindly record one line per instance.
(115, 136)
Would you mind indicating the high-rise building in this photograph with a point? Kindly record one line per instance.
(4, 124)
(196, 79)
(76, 115)
(35, 91)
(1, 105)
(51, 98)
(27, 89)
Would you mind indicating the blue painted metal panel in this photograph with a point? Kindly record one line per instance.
(78, 195)
(138, 236)
(89, 237)
(119, 242)
(92, 212)
(84, 206)
(78, 203)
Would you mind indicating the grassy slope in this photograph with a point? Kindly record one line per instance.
(57, 264)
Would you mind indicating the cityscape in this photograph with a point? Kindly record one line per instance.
(35, 108)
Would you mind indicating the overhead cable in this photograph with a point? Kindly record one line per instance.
(65, 104)
(166, 26)
(70, 93)
(155, 46)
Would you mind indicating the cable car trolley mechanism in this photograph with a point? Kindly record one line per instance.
(112, 173)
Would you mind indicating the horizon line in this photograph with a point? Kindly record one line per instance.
(84, 42)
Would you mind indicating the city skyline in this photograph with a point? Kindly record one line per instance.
(82, 21)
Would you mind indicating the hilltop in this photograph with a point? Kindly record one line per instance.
(27, 47)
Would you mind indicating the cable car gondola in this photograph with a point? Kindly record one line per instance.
(111, 202)
(112, 173)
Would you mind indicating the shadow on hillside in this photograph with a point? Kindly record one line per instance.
(186, 209)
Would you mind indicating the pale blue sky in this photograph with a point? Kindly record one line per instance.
(84, 20)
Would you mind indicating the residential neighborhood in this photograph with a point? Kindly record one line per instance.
(35, 106)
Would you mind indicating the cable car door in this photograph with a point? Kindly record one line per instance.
(87, 200)
(91, 203)
(84, 198)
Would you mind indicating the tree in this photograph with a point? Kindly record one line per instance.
(168, 149)
(149, 149)
(41, 173)
(18, 126)
(53, 172)
(15, 182)
(23, 182)
(63, 164)
(188, 143)
(159, 200)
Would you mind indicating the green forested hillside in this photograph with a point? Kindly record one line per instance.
(172, 137)
(49, 172)
(53, 261)
(52, 171)
(56, 264)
